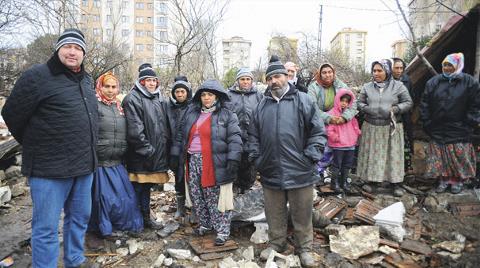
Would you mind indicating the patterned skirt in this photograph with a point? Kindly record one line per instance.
(451, 160)
(381, 155)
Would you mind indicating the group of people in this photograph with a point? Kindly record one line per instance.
(97, 158)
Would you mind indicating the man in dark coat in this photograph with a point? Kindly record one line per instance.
(398, 73)
(52, 112)
(180, 98)
(148, 138)
(244, 98)
(286, 140)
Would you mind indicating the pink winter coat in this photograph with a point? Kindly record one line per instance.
(344, 135)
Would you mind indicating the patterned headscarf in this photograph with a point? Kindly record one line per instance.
(457, 60)
(318, 76)
(386, 65)
(101, 97)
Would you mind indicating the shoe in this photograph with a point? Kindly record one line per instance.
(442, 186)
(335, 183)
(456, 188)
(398, 190)
(344, 178)
(307, 260)
(220, 240)
(149, 223)
(201, 231)
(180, 213)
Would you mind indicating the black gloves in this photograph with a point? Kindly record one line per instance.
(232, 168)
(173, 163)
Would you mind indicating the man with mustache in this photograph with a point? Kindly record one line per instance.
(286, 139)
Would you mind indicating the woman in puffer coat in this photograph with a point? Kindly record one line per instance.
(114, 204)
(450, 109)
(209, 147)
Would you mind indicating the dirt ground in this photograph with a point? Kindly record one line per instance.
(438, 226)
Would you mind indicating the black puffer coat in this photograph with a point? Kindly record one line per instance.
(148, 131)
(52, 112)
(226, 140)
(450, 109)
(112, 135)
(243, 102)
(176, 110)
(286, 139)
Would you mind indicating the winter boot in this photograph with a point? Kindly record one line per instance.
(180, 213)
(335, 182)
(149, 223)
(344, 178)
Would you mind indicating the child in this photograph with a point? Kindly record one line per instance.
(342, 138)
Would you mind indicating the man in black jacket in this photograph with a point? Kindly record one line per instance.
(286, 139)
(244, 98)
(52, 112)
(179, 100)
(398, 73)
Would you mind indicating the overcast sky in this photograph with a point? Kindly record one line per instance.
(258, 20)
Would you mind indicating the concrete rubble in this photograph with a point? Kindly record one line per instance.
(181, 254)
(355, 242)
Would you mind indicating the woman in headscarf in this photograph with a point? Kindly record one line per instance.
(323, 90)
(114, 205)
(209, 147)
(381, 151)
(449, 110)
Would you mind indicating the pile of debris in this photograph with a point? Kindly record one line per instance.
(12, 183)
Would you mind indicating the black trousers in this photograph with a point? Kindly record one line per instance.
(343, 159)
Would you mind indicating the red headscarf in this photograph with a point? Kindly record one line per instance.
(318, 76)
(101, 97)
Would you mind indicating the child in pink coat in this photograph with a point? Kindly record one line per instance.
(342, 138)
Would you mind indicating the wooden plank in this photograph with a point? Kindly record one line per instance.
(389, 243)
(213, 256)
(416, 246)
(202, 245)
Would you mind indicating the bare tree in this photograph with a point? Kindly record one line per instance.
(193, 22)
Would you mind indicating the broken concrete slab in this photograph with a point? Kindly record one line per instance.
(18, 189)
(5, 195)
(453, 256)
(122, 252)
(249, 253)
(455, 246)
(247, 264)
(276, 259)
(260, 235)
(159, 261)
(334, 229)
(355, 242)
(390, 220)
(133, 246)
(227, 263)
(386, 249)
(248, 205)
(168, 262)
(13, 171)
(180, 254)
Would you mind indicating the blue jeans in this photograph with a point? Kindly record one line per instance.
(49, 196)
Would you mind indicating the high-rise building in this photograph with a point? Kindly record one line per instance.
(236, 53)
(351, 43)
(140, 26)
(284, 47)
(399, 48)
(427, 17)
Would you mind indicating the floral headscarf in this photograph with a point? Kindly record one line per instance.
(318, 76)
(457, 60)
(101, 97)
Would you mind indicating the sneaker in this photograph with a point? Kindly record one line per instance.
(442, 187)
(201, 231)
(220, 240)
(456, 188)
(398, 191)
(307, 260)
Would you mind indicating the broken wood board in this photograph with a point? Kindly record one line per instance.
(398, 261)
(365, 210)
(213, 256)
(416, 246)
(465, 209)
(330, 206)
(202, 245)
(326, 189)
(389, 243)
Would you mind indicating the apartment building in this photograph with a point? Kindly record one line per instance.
(236, 53)
(351, 43)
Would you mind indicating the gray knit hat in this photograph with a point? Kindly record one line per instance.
(275, 66)
(245, 71)
(71, 36)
